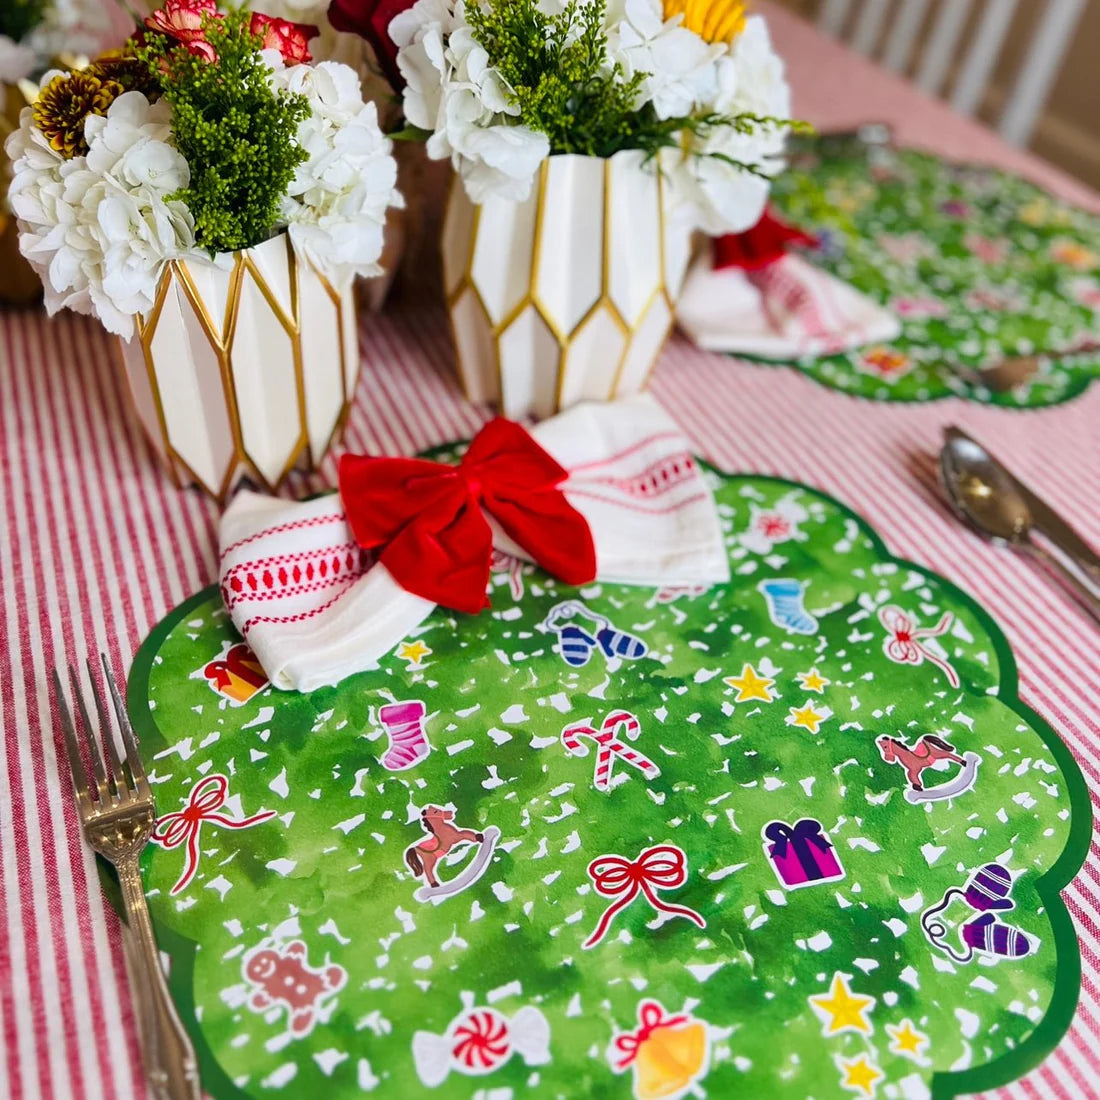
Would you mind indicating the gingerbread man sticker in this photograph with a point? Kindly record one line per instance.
(282, 977)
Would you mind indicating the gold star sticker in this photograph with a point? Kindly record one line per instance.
(813, 681)
(413, 652)
(861, 1076)
(807, 717)
(844, 1009)
(907, 1040)
(750, 686)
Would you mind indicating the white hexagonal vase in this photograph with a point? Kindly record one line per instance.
(244, 368)
(569, 295)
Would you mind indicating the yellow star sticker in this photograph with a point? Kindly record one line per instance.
(861, 1076)
(813, 681)
(413, 652)
(750, 686)
(907, 1040)
(844, 1009)
(807, 717)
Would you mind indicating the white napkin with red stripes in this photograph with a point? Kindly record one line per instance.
(785, 310)
(315, 609)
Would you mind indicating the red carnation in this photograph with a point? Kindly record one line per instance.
(184, 21)
(289, 38)
(370, 19)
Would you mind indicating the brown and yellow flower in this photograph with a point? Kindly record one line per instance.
(130, 71)
(64, 104)
(712, 20)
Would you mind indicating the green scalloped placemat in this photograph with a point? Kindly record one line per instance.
(979, 265)
(306, 956)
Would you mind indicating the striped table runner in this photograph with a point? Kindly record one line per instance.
(99, 546)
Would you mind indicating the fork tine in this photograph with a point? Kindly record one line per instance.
(93, 742)
(133, 757)
(72, 748)
(107, 733)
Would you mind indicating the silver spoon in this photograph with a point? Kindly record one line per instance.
(996, 505)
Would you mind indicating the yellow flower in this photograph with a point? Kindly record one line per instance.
(64, 104)
(712, 20)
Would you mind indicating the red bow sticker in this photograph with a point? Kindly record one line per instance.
(905, 646)
(184, 826)
(663, 867)
(426, 520)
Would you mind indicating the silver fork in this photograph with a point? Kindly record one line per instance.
(117, 814)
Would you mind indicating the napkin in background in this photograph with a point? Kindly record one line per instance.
(749, 295)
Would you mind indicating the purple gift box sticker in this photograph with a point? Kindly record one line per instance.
(801, 854)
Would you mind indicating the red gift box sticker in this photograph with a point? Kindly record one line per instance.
(237, 676)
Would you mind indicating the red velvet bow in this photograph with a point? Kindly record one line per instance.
(427, 516)
(765, 243)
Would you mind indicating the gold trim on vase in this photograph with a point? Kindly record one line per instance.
(564, 368)
(177, 279)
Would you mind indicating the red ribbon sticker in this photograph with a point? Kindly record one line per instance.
(663, 867)
(905, 647)
(184, 826)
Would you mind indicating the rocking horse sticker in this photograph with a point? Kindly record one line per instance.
(930, 752)
(443, 837)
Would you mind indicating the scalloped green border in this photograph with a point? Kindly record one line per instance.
(1078, 389)
(990, 1075)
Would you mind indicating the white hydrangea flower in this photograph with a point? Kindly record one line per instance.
(453, 92)
(78, 27)
(336, 205)
(16, 60)
(749, 80)
(680, 67)
(100, 228)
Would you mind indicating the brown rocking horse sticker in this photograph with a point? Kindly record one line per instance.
(443, 837)
(930, 751)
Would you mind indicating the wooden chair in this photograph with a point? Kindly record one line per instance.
(890, 30)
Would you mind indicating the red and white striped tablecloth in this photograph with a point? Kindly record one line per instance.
(97, 546)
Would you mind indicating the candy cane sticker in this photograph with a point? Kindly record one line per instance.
(609, 746)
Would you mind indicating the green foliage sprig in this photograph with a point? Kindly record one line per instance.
(236, 131)
(558, 75)
(556, 69)
(19, 17)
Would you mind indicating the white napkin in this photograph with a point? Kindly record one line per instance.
(314, 609)
(786, 310)
(303, 595)
(632, 476)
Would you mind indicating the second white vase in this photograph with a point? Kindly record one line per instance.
(569, 295)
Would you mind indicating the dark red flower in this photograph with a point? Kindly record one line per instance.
(370, 19)
(184, 21)
(289, 38)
